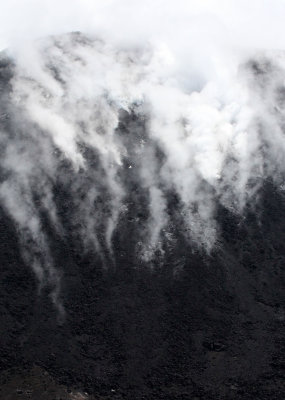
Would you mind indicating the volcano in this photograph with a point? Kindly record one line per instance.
(142, 226)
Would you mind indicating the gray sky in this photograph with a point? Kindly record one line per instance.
(254, 23)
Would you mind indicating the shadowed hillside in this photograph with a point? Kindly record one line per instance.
(126, 317)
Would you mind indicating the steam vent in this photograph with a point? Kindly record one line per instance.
(142, 222)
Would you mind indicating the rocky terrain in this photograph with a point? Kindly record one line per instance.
(188, 324)
(213, 328)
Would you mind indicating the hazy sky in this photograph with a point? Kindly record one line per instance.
(257, 23)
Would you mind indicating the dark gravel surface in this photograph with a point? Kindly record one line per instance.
(188, 326)
(213, 328)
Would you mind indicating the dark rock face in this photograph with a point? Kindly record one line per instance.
(188, 325)
(34, 384)
(214, 328)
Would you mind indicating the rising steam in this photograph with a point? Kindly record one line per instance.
(120, 124)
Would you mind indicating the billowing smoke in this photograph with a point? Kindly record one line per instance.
(120, 121)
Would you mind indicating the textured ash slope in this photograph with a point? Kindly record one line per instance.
(215, 328)
(184, 325)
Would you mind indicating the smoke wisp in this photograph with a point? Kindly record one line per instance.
(124, 124)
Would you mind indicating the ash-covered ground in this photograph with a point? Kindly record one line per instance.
(98, 298)
(213, 328)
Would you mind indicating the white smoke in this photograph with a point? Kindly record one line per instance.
(206, 93)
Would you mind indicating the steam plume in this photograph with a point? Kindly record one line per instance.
(120, 123)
